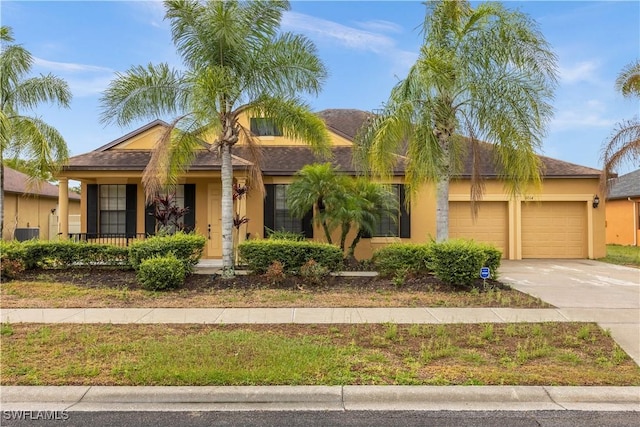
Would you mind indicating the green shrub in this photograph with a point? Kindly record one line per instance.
(187, 248)
(161, 273)
(258, 255)
(403, 258)
(11, 260)
(458, 262)
(285, 235)
(63, 253)
(494, 258)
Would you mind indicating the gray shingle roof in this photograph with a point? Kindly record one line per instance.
(17, 182)
(286, 160)
(624, 186)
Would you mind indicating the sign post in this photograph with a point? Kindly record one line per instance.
(484, 275)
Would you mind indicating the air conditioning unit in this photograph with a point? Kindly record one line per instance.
(23, 234)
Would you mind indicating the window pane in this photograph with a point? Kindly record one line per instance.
(389, 226)
(282, 219)
(113, 209)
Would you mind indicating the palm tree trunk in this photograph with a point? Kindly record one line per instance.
(442, 208)
(1, 197)
(442, 188)
(356, 240)
(227, 211)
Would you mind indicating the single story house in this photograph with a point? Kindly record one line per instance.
(558, 222)
(29, 207)
(623, 210)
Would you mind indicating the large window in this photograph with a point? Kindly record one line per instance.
(398, 225)
(264, 127)
(282, 218)
(277, 216)
(113, 209)
(389, 225)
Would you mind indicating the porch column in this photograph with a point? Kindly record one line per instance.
(241, 209)
(63, 207)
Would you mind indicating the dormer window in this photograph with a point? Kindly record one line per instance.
(264, 127)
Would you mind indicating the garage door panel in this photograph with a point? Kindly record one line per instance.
(491, 225)
(554, 230)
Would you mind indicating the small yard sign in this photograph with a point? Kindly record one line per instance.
(484, 273)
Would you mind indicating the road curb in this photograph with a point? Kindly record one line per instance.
(326, 398)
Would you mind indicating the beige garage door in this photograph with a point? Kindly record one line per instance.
(554, 230)
(491, 226)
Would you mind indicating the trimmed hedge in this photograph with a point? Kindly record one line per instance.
(403, 258)
(458, 262)
(186, 247)
(62, 254)
(260, 254)
(161, 273)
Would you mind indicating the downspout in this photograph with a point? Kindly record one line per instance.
(635, 219)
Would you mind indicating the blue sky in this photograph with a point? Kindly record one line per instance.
(366, 45)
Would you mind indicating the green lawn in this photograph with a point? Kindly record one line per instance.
(623, 255)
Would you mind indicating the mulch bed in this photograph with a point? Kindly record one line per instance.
(103, 277)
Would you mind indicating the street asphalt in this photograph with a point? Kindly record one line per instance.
(580, 290)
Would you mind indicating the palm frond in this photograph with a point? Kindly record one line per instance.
(628, 81)
(623, 147)
(39, 144)
(144, 93)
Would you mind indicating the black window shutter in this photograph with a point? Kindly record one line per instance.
(131, 205)
(92, 210)
(307, 225)
(405, 218)
(190, 203)
(269, 208)
(150, 220)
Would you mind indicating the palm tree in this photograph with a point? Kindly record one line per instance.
(373, 203)
(486, 72)
(624, 144)
(236, 62)
(318, 188)
(338, 201)
(41, 146)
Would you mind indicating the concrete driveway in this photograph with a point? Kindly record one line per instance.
(585, 290)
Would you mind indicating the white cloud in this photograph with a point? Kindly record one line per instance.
(152, 12)
(370, 40)
(329, 30)
(69, 66)
(380, 25)
(580, 119)
(581, 72)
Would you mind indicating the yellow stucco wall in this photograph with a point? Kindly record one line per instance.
(622, 222)
(31, 211)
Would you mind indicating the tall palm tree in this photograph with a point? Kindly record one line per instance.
(485, 72)
(624, 144)
(41, 146)
(236, 62)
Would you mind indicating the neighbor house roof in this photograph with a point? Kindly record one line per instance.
(624, 186)
(20, 183)
(286, 160)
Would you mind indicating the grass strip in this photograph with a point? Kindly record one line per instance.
(41, 294)
(623, 255)
(482, 354)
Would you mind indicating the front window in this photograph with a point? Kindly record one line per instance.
(113, 205)
(283, 221)
(388, 224)
(264, 127)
